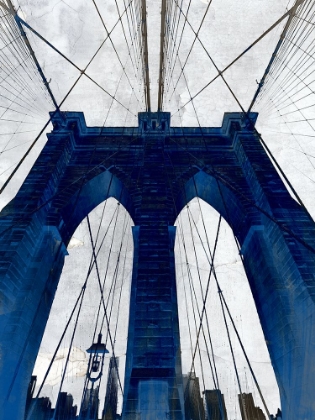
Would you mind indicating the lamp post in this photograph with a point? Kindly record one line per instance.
(90, 402)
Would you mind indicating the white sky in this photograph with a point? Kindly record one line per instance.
(228, 29)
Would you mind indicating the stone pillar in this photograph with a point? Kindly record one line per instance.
(32, 257)
(153, 352)
(32, 260)
(153, 379)
(280, 271)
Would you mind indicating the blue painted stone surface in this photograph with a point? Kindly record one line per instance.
(154, 171)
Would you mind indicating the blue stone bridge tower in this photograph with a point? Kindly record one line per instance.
(154, 170)
(153, 383)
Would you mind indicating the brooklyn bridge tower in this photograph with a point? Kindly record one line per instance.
(154, 170)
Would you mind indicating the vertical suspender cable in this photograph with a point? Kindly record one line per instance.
(162, 44)
(145, 54)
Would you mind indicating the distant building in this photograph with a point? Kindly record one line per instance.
(30, 393)
(247, 406)
(90, 405)
(40, 408)
(278, 416)
(215, 405)
(65, 409)
(194, 409)
(111, 398)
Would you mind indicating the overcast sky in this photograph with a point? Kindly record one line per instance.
(229, 27)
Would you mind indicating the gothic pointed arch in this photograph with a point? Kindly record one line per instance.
(154, 170)
(90, 195)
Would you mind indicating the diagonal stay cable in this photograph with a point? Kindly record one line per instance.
(212, 61)
(279, 44)
(186, 301)
(286, 53)
(251, 202)
(233, 356)
(133, 139)
(172, 63)
(55, 112)
(131, 26)
(111, 293)
(290, 80)
(29, 47)
(82, 291)
(12, 83)
(213, 368)
(293, 77)
(101, 286)
(113, 45)
(211, 264)
(62, 190)
(222, 297)
(284, 16)
(287, 123)
(82, 71)
(122, 284)
(168, 24)
(133, 44)
(196, 36)
(205, 49)
(190, 217)
(81, 301)
(268, 151)
(110, 250)
(217, 175)
(68, 355)
(192, 288)
(221, 293)
(103, 303)
(194, 302)
(171, 51)
(16, 55)
(34, 400)
(47, 123)
(207, 289)
(119, 299)
(272, 158)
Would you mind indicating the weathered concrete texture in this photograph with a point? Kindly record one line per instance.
(154, 171)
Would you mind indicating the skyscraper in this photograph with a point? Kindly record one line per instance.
(90, 405)
(40, 408)
(215, 405)
(65, 410)
(247, 406)
(111, 398)
(194, 409)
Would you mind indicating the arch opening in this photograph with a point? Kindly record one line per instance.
(95, 191)
(111, 231)
(197, 226)
(220, 197)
